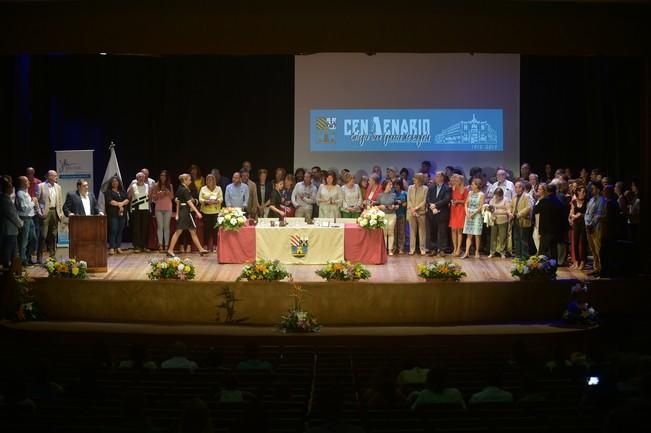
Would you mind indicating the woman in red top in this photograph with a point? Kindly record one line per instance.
(373, 191)
(457, 211)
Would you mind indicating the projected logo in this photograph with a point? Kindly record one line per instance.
(298, 245)
(326, 129)
(392, 130)
(468, 132)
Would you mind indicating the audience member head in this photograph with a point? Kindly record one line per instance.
(527, 187)
(164, 181)
(373, 180)
(217, 173)
(404, 173)
(597, 188)
(533, 179)
(280, 173)
(580, 192)
(419, 179)
(525, 170)
(619, 188)
(52, 176)
(541, 189)
(140, 178)
(262, 176)
(316, 173)
(237, 178)
(500, 175)
(115, 183)
(290, 181)
(245, 175)
(398, 185)
(349, 180)
(377, 170)
(298, 174)
(23, 183)
(425, 167)
(549, 171)
(185, 179)
(595, 175)
(550, 188)
(387, 185)
(363, 182)
(392, 172)
(475, 185)
(29, 172)
(440, 178)
(499, 193)
(609, 192)
(307, 178)
(246, 165)
(605, 181)
(331, 178)
(211, 182)
(519, 187)
(82, 187)
(475, 172)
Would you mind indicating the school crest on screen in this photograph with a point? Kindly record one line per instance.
(326, 128)
(298, 245)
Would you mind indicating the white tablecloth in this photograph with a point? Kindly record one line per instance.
(300, 245)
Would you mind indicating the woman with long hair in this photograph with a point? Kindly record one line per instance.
(577, 221)
(118, 201)
(184, 221)
(161, 194)
(457, 212)
(372, 191)
(329, 197)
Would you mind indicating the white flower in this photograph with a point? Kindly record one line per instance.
(240, 219)
(363, 223)
(373, 216)
(180, 267)
(233, 221)
(163, 265)
(525, 270)
(220, 219)
(83, 264)
(373, 222)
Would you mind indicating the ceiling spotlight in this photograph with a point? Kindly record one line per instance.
(102, 54)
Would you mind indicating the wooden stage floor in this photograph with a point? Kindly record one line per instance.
(401, 268)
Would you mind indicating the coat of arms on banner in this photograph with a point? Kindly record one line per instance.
(299, 245)
(325, 129)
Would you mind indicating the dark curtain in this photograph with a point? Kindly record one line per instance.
(169, 112)
(162, 112)
(581, 112)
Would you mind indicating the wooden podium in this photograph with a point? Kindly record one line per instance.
(88, 241)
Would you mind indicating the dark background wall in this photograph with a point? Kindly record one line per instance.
(169, 112)
(162, 112)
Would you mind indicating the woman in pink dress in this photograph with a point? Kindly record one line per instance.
(457, 211)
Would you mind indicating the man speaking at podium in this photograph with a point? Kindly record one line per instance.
(81, 202)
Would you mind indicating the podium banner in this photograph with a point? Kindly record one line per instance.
(72, 165)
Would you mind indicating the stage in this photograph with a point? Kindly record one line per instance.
(398, 269)
(394, 296)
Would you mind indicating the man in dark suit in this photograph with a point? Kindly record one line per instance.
(438, 214)
(81, 202)
(552, 221)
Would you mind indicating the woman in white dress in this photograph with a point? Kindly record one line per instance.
(351, 205)
(329, 197)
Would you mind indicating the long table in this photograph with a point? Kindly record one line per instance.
(305, 244)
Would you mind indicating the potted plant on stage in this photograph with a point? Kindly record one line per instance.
(69, 268)
(171, 268)
(297, 319)
(264, 270)
(371, 219)
(535, 268)
(27, 307)
(343, 271)
(442, 270)
(579, 311)
(230, 218)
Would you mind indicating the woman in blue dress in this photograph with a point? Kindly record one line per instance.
(474, 221)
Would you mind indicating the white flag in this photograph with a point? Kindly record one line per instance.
(112, 169)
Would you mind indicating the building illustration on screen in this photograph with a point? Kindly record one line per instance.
(326, 127)
(467, 132)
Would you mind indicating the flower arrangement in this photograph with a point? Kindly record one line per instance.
(264, 270)
(535, 267)
(70, 268)
(296, 319)
(441, 270)
(230, 218)
(578, 311)
(343, 271)
(372, 218)
(27, 307)
(171, 268)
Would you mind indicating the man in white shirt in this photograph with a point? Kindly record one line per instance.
(502, 182)
(50, 199)
(81, 202)
(304, 197)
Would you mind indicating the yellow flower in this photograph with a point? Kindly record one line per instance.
(75, 270)
(186, 269)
